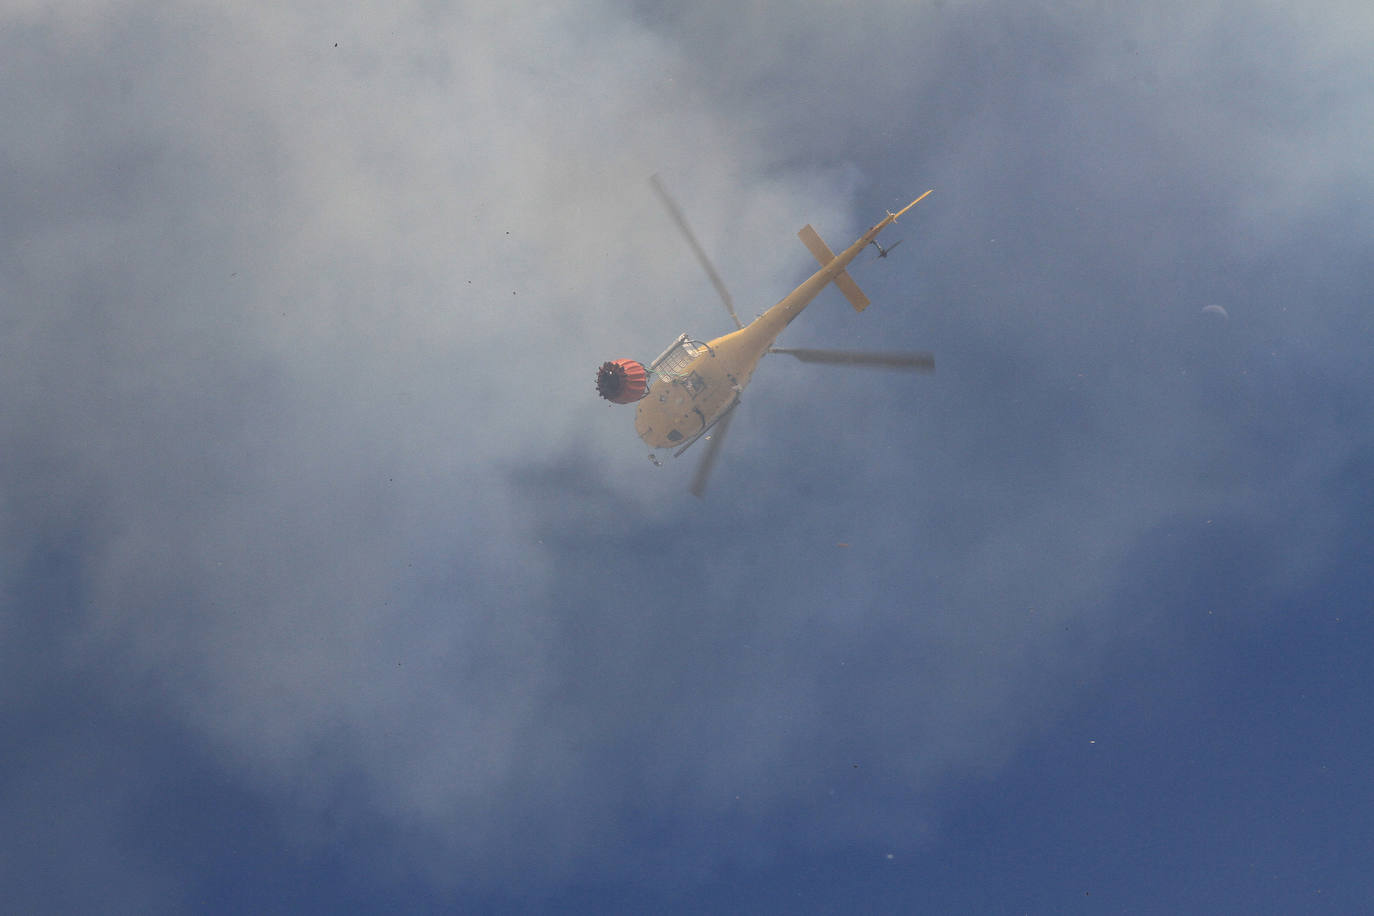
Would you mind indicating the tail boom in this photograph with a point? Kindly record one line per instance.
(826, 258)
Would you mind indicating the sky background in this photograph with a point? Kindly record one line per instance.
(329, 584)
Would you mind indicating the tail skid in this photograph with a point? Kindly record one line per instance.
(902, 212)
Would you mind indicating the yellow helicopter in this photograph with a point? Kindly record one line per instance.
(693, 387)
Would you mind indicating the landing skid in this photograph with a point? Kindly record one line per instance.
(723, 414)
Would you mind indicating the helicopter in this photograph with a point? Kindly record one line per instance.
(690, 391)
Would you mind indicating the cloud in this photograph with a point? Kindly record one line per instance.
(309, 304)
(292, 288)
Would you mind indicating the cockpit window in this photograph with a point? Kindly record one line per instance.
(673, 362)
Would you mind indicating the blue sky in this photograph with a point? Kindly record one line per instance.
(330, 584)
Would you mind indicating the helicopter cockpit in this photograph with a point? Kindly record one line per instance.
(672, 363)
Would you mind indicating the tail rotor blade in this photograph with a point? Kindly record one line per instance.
(917, 362)
(676, 212)
(708, 460)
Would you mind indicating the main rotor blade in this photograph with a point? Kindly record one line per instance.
(676, 213)
(708, 460)
(920, 362)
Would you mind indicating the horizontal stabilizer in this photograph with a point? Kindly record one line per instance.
(814, 244)
(822, 253)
